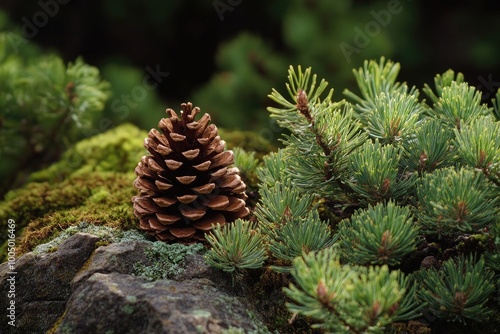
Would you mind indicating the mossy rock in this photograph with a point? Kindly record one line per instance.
(92, 183)
(42, 210)
(117, 150)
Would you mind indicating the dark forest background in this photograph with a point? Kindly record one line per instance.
(225, 56)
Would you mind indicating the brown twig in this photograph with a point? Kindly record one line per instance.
(303, 108)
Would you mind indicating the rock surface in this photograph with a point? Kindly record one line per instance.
(81, 289)
(115, 258)
(118, 303)
(43, 284)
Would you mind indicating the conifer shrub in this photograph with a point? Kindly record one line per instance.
(381, 211)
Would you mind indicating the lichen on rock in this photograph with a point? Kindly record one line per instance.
(77, 288)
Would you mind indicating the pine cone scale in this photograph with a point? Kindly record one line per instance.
(206, 224)
(181, 233)
(164, 202)
(163, 185)
(186, 179)
(191, 212)
(186, 199)
(204, 189)
(191, 154)
(217, 202)
(173, 164)
(204, 166)
(167, 219)
(177, 137)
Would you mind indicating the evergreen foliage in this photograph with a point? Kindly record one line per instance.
(247, 163)
(392, 117)
(345, 299)
(478, 146)
(428, 148)
(273, 169)
(375, 173)
(45, 105)
(384, 183)
(455, 201)
(373, 79)
(458, 104)
(460, 290)
(381, 234)
(235, 248)
(297, 235)
(441, 81)
(322, 135)
(290, 232)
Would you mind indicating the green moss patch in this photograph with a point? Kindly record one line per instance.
(98, 198)
(91, 183)
(117, 150)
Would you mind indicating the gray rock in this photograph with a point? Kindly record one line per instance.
(195, 266)
(115, 258)
(97, 293)
(42, 283)
(118, 303)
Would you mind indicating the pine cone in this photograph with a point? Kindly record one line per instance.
(185, 184)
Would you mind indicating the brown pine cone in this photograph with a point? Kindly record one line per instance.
(185, 183)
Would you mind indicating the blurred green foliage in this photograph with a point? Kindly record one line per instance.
(132, 99)
(314, 33)
(254, 42)
(44, 106)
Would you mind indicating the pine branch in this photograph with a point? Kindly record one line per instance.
(373, 79)
(381, 234)
(375, 173)
(343, 298)
(478, 145)
(458, 105)
(235, 248)
(303, 107)
(460, 291)
(429, 148)
(453, 202)
(441, 81)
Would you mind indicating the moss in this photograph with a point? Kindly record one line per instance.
(247, 140)
(117, 150)
(40, 211)
(411, 327)
(234, 330)
(128, 309)
(106, 234)
(69, 203)
(92, 182)
(239, 330)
